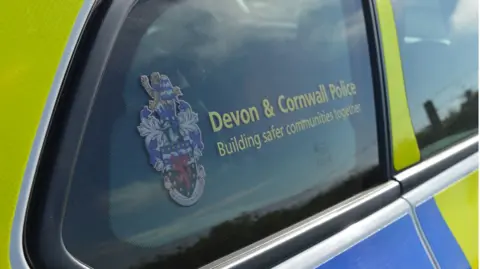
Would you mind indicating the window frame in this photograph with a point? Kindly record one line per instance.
(42, 237)
(425, 168)
(443, 158)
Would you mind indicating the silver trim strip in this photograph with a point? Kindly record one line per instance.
(342, 241)
(442, 180)
(17, 255)
(436, 159)
(281, 237)
(421, 235)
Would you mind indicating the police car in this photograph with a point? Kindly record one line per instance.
(279, 134)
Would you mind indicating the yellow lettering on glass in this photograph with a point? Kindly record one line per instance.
(232, 119)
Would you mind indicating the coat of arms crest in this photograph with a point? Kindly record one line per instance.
(173, 139)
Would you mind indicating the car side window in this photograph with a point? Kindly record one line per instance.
(438, 42)
(218, 123)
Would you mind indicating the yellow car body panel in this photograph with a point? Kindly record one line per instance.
(458, 205)
(34, 35)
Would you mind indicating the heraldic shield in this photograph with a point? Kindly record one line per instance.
(173, 139)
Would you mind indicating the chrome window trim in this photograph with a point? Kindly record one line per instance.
(434, 166)
(318, 221)
(416, 175)
(442, 181)
(342, 241)
(335, 245)
(347, 238)
(17, 256)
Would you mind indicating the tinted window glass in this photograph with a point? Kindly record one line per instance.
(439, 49)
(218, 123)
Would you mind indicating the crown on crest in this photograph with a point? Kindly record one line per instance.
(160, 84)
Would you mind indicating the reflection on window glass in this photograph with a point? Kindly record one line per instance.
(439, 49)
(218, 123)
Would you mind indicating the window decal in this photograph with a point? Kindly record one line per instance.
(173, 139)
